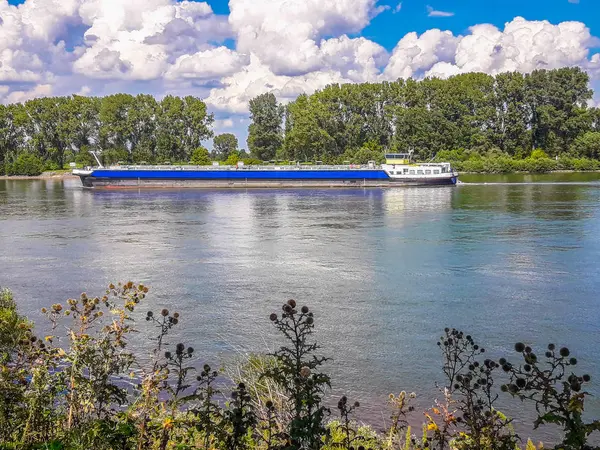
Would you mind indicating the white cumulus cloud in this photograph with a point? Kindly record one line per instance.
(257, 78)
(286, 35)
(521, 46)
(435, 13)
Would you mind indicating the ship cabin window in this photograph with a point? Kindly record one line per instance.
(419, 172)
(412, 172)
(405, 171)
(397, 156)
(436, 172)
(428, 172)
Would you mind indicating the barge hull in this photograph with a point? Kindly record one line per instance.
(147, 183)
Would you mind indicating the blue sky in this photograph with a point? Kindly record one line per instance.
(389, 27)
(234, 50)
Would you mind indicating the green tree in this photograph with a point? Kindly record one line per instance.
(201, 157)
(183, 123)
(307, 139)
(556, 99)
(265, 132)
(83, 126)
(48, 127)
(13, 123)
(511, 131)
(114, 123)
(587, 145)
(223, 145)
(141, 127)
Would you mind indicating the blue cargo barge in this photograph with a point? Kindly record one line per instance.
(398, 170)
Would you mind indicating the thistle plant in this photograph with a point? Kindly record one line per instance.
(401, 406)
(76, 381)
(267, 433)
(71, 389)
(208, 414)
(176, 363)
(239, 419)
(249, 369)
(153, 379)
(471, 384)
(350, 435)
(298, 375)
(98, 354)
(555, 389)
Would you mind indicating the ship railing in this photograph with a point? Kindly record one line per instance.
(245, 167)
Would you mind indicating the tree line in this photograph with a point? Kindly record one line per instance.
(509, 114)
(463, 119)
(56, 130)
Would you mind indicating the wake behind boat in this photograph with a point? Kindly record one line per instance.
(398, 170)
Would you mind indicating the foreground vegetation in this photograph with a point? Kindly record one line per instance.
(497, 121)
(82, 387)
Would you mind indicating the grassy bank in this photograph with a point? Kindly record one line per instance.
(48, 175)
(537, 162)
(83, 387)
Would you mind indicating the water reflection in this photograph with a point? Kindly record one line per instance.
(544, 201)
(399, 201)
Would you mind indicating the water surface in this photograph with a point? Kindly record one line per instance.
(384, 270)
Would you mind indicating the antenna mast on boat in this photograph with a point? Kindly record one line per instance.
(95, 155)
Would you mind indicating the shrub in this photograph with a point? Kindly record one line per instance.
(13, 327)
(26, 164)
(51, 166)
(587, 145)
(232, 159)
(540, 164)
(475, 166)
(585, 164)
(252, 161)
(452, 155)
(84, 158)
(201, 157)
(538, 154)
(502, 164)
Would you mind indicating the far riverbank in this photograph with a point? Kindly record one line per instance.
(51, 175)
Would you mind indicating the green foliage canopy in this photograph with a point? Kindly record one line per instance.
(511, 113)
(265, 135)
(201, 157)
(57, 130)
(224, 145)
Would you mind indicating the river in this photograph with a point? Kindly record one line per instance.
(504, 258)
